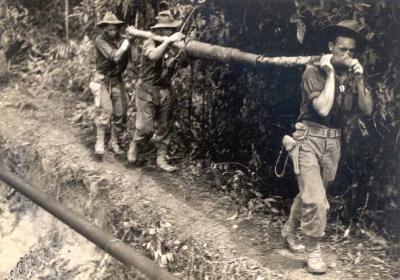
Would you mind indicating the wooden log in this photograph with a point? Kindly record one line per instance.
(197, 49)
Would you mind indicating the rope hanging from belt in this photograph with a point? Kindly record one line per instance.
(277, 174)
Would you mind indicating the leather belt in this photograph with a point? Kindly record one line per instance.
(324, 132)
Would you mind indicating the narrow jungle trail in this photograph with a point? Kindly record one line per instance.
(186, 225)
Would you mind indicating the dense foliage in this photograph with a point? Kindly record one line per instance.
(235, 116)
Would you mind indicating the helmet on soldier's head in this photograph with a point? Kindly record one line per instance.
(166, 20)
(109, 18)
(346, 28)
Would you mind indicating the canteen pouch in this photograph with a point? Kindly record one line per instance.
(292, 147)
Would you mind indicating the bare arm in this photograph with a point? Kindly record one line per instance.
(324, 102)
(121, 51)
(155, 53)
(365, 102)
(111, 53)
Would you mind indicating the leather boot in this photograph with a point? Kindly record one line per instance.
(99, 147)
(113, 144)
(315, 263)
(132, 152)
(161, 159)
(294, 244)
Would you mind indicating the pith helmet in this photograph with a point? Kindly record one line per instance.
(349, 28)
(109, 18)
(166, 20)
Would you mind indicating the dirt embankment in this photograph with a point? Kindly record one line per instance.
(187, 226)
(34, 245)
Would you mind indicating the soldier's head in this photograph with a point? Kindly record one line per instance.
(110, 25)
(166, 31)
(343, 47)
(166, 24)
(111, 30)
(344, 39)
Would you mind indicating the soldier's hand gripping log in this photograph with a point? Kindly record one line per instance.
(196, 49)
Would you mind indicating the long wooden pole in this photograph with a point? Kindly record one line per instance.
(202, 50)
(113, 246)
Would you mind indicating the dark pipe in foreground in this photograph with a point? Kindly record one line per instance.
(93, 233)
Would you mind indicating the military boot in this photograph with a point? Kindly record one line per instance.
(162, 161)
(315, 263)
(293, 243)
(99, 147)
(132, 153)
(113, 144)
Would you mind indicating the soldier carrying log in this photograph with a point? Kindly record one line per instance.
(332, 88)
(330, 92)
(153, 97)
(111, 100)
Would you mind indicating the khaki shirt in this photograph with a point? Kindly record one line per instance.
(105, 53)
(313, 82)
(157, 73)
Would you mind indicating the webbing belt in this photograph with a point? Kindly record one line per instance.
(323, 132)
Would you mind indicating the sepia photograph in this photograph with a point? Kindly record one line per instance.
(200, 139)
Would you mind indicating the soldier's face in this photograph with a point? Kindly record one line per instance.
(111, 30)
(342, 49)
(166, 31)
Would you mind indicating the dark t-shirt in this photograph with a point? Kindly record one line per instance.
(160, 72)
(105, 52)
(312, 84)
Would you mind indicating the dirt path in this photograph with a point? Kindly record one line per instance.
(204, 230)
